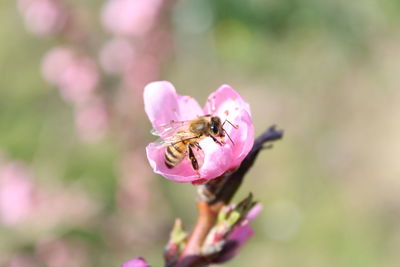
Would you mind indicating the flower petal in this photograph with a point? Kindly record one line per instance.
(236, 240)
(243, 137)
(217, 159)
(189, 108)
(163, 105)
(226, 103)
(239, 236)
(254, 212)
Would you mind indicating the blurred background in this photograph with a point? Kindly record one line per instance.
(75, 185)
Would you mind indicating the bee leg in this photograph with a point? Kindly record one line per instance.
(216, 141)
(193, 159)
(197, 145)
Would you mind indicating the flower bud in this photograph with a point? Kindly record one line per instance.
(231, 230)
(176, 243)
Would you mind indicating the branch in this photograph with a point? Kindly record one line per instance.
(216, 194)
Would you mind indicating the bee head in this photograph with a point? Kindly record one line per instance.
(216, 127)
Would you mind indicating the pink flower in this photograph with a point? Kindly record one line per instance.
(91, 121)
(16, 193)
(54, 63)
(22, 260)
(25, 203)
(117, 55)
(59, 253)
(75, 75)
(136, 262)
(42, 17)
(163, 105)
(130, 17)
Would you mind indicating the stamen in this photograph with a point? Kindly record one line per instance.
(234, 126)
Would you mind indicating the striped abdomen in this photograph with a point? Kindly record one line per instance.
(174, 154)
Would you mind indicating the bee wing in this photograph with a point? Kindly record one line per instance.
(175, 138)
(168, 129)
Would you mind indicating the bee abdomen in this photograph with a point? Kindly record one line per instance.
(174, 155)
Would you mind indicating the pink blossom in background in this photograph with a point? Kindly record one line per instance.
(139, 201)
(60, 204)
(62, 253)
(135, 193)
(54, 63)
(163, 105)
(16, 193)
(116, 56)
(146, 68)
(23, 202)
(129, 17)
(79, 80)
(22, 260)
(54, 253)
(75, 75)
(42, 17)
(91, 121)
(136, 262)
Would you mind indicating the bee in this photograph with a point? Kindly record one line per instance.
(182, 139)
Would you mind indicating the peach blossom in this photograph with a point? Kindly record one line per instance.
(163, 105)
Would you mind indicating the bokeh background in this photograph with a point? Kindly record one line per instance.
(76, 188)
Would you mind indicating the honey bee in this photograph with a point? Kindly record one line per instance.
(182, 139)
